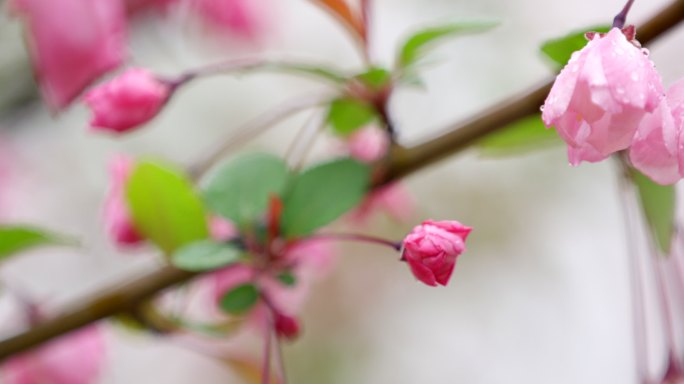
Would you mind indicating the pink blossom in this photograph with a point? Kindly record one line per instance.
(242, 17)
(431, 250)
(135, 6)
(310, 260)
(77, 358)
(393, 199)
(656, 150)
(222, 229)
(116, 213)
(127, 101)
(72, 43)
(601, 96)
(368, 144)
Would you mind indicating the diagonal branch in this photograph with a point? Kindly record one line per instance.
(128, 296)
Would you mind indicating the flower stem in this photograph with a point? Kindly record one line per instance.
(396, 245)
(266, 367)
(619, 20)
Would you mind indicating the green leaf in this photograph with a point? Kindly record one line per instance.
(321, 194)
(240, 299)
(559, 50)
(240, 190)
(376, 78)
(346, 115)
(288, 279)
(165, 207)
(415, 46)
(658, 204)
(15, 239)
(523, 136)
(205, 255)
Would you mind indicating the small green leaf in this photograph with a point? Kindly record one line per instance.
(288, 279)
(321, 194)
(346, 115)
(559, 50)
(416, 45)
(658, 204)
(523, 136)
(376, 78)
(239, 190)
(165, 207)
(15, 239)
(205, 255)
(240, 299)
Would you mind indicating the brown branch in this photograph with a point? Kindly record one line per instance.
(456, 137)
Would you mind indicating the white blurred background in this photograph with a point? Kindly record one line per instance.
(541, 295)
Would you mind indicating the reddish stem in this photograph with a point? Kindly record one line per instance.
(266, 367)
(396, 245)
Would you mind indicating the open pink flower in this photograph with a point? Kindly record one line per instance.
(431, 250)
(72, 43)
(658, 147)
(127, 101)
(76, 358)
(116, 213)
(601, 96)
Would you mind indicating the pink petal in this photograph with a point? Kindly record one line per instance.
(72, 43)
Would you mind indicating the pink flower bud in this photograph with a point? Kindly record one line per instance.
(222, 229)
(601, 96)
(368, 144)
(77, 358)
(116, 214)
(245, 18)
(286, 327)
(431, 250)
(127, 101)
(656, 150)
(72, 43)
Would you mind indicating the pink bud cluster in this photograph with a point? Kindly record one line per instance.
(609, 98)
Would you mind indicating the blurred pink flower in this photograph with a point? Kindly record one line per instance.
(76, 358)
(242, 17)
(658, 147)
(601, 96)
(116, 214)
(127, 101)
(135, 6)
(368, 144)
(310, 260)
(393, 199)
(222, 229)
(431, 250)
(72, 43)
